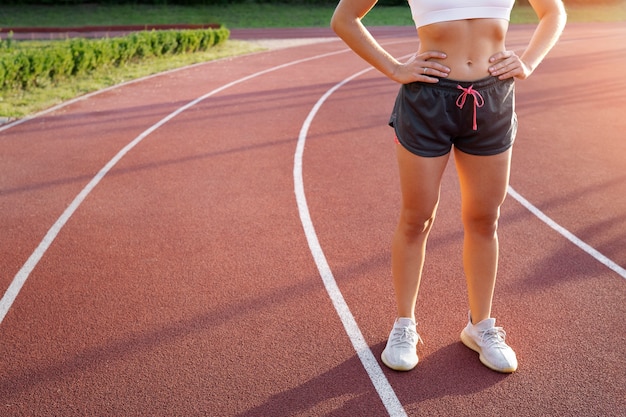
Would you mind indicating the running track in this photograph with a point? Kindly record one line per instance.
(214, 241)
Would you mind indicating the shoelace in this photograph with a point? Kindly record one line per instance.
(478, 100)
(404, 336)
(494, 336)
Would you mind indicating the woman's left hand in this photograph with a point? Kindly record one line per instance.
(508, 64)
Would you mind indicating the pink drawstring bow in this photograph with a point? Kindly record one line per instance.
(478, 100)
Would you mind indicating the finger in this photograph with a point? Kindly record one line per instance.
(428, 74)
(432, 55)
(508, 72)
(504, 66)
(506, 76)
(434, 68)
(500, 56)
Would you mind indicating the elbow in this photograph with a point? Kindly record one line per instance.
(556, 14)
(335, 23)
(561, 15)
(342, 25)
(342, 20)
(560, 20)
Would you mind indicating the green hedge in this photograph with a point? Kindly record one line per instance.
(23, 67)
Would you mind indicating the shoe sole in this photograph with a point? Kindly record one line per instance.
(394, 367)
(469, 342)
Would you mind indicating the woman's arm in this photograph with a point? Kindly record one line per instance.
(346, 22)
(552, 18)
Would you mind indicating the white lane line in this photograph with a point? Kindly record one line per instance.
(20, 278)
(567, 234)
(381, 384)
(94, 93)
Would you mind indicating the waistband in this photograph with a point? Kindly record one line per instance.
(448, 84)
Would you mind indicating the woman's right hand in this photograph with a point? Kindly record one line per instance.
(420, 67)
(347, 24)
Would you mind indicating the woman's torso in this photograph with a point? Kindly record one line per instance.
(468, 45)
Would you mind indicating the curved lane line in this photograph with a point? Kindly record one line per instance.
(567, 234)
(20, 278)
(94, 93)
(381, 384)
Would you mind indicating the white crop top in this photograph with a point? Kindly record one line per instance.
(426, 12)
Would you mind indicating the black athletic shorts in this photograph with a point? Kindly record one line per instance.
(477, 117)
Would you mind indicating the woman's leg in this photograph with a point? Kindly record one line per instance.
(484, 181)
(420, 181)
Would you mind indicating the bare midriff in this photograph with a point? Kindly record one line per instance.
(468, 45)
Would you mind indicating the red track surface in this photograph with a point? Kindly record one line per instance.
(183, 283)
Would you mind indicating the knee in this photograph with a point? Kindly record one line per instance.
(415, 225)
(482, 223)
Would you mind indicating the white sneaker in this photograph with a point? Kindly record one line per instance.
(488, 341)
(400, 353)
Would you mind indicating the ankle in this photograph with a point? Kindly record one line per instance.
(406, 321)
(478, 318)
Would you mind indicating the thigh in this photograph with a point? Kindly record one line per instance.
(420, 181)
(484, 181)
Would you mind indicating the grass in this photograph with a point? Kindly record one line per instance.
(21, 103)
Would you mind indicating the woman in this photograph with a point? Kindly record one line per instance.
(457, 92)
